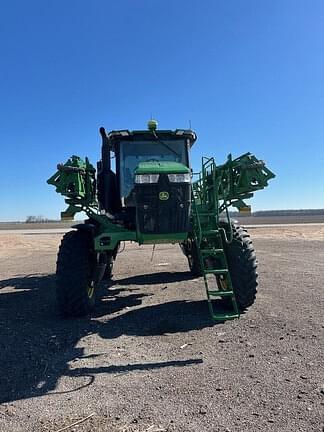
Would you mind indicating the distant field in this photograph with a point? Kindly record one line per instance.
(244, 220)
(260, 220)
(32, 226)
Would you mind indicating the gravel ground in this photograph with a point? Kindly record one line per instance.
(150, 359)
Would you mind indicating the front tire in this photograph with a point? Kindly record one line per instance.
(242, 264)
(75, 288)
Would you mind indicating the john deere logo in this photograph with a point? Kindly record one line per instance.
(164, 196)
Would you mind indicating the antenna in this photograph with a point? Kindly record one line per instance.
(190, 124)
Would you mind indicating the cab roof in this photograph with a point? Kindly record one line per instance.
(126, 135)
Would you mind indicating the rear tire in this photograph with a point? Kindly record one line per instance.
(242, 264)
(75, 289)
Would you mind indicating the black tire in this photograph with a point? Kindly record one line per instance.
(75, 290)
(191, 251)
(242, 264)
(109, 260)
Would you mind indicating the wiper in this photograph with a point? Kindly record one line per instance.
(165, 145)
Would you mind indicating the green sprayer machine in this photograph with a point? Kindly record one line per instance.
(150, 197)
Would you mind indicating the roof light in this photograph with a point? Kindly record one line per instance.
(152, 125)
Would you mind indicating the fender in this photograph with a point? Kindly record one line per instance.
(87, 227)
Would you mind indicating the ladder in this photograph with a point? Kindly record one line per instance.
(210, 238)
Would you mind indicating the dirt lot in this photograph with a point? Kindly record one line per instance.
(150, 359)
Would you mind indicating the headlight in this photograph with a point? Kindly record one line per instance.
(179, 178)
(146, 178)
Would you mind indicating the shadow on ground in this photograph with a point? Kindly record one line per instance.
(36, 345)
(28, 282)
(156, 278)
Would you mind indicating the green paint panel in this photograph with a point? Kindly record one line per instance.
(155, 167)
(162, 238)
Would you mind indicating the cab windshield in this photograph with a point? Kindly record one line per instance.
(134, 152)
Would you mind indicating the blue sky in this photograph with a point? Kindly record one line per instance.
(249, 74)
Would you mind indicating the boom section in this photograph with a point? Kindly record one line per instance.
(219, 187)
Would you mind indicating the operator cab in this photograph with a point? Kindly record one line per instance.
(132, 153)
(152, 175)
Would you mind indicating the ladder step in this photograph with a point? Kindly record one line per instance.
(217, 293)
(219, 271)
(211, 243)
